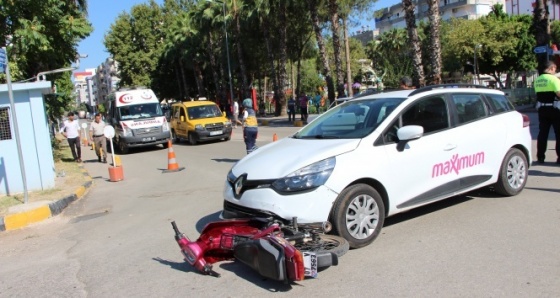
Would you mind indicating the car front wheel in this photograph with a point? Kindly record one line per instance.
(358, 215)
(513, 173)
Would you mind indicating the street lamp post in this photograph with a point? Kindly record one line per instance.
(227, 47)
(475, 66)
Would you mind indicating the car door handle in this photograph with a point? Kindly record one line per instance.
(449, 147)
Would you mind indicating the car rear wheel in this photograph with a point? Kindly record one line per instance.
(358, 215)
(513, 173)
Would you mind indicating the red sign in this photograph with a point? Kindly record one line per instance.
(126, 98)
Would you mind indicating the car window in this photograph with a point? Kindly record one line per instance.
(469, 107)
(182, 113)
(430, 113)
(353, 119)
(500, 103)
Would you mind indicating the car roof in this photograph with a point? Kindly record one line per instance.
(195, 103)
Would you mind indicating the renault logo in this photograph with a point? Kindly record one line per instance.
(238, 185)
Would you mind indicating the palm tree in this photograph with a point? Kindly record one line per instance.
(325, 70)
(418, 70)
(335, 28)
(434, 47)
(541, 27)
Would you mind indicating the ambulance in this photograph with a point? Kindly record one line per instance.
(138, 119)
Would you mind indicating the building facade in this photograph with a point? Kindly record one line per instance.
(106, 79)
(393, 17)
(518, 7)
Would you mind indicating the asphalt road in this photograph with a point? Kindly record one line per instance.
(117, 241)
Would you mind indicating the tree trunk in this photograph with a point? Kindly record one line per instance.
(185, 86)
(283, 52)
(240, 60)
(348, 70)
(335, 27)
(434, 76)
(326, 70)
(199, 78)
(215, 78)
(541, 28)
(418, 78)
(181, 96)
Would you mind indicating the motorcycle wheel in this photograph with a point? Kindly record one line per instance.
(326, 243)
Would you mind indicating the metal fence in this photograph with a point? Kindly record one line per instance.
(521, 96)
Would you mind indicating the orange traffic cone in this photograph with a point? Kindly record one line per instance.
(172, 165)
(274, 137)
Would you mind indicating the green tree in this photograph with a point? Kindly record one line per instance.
(135, 41)
(44, 36)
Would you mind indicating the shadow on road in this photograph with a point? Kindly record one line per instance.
(201, 223)
(181, 266)
(230, 160)
(421, 211)
(250, 275)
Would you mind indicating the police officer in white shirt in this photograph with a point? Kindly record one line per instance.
(71, 130)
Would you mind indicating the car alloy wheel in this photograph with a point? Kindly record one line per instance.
(358, 215)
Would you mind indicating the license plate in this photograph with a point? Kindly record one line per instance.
(215, 133)
(310, 264)
(148, 139)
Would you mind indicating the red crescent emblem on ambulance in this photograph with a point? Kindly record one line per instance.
(126, 98)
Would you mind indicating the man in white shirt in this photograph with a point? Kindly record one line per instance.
(235, 113)
(71, 130)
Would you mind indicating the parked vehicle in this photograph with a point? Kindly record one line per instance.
(198, 121)
(137, 118)
(383, 154)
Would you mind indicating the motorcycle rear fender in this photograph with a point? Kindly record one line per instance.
(264, 256)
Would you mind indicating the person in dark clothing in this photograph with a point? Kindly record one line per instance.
(547, 87)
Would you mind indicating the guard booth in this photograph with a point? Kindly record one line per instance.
(34, 137)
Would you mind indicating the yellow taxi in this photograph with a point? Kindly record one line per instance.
(198, 121)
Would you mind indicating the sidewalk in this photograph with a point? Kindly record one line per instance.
(26, 214)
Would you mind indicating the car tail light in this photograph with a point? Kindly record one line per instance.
(526, 120)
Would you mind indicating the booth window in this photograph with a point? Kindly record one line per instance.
(5, 128)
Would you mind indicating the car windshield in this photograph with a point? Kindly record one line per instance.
(352, 120)
(139, 111)
(206, 111)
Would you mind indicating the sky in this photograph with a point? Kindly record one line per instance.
(102, 13)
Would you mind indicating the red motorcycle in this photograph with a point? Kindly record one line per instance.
(276, 251)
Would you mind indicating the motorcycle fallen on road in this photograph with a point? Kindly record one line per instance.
(275, 250)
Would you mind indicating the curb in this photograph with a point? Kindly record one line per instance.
(22, 219)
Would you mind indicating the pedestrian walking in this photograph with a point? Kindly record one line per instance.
(291, 109)
(71, 130)
(250, 126)
(303, 100)
(98, 138)
(547, 87)
(235, 113)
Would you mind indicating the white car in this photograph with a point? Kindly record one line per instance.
(383, 154)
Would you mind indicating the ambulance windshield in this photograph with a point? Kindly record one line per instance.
(140, 111)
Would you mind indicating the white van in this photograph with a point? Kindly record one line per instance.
(137, 118)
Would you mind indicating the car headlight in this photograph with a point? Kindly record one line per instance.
(199, 127)
(309, 177)
(227, 123)
(127, 132)
(165, 126)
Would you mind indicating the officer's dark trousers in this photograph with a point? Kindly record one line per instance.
(548, 116)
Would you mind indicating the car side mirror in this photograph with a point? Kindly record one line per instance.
(182, 118)
(408, 133)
